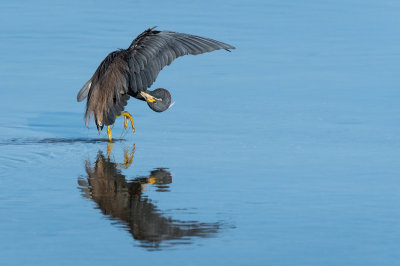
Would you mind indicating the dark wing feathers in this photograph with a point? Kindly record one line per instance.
(119, 100)
(116, 109)
(152, 50)
(109, 87)
(133, 70)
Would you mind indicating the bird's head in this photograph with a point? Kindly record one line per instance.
(162, 100)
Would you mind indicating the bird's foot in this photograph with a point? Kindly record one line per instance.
(127, 116)
(128, 158)
(149, 98)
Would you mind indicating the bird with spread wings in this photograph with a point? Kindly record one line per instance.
(131, 72)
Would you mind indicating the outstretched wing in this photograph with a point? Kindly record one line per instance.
(152, 50)
(128, 72)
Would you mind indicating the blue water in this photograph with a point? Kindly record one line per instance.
(283, 152)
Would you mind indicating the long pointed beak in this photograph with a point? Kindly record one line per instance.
(148, 97)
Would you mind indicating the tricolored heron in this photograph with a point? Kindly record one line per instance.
(123, 200)
(130, 72)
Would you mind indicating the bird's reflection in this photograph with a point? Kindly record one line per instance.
(124, 201)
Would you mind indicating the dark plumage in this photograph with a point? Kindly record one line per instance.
(130, 72)
(122, 200)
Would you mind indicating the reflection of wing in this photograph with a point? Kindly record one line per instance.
(107, 186)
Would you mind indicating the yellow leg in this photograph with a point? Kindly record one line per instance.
(109, 148)
(128, 158)
(127, 116)
(109, 133)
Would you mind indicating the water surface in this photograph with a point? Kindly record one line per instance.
(283, 152)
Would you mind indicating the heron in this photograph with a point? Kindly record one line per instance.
(130, 72)
(123, 200)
